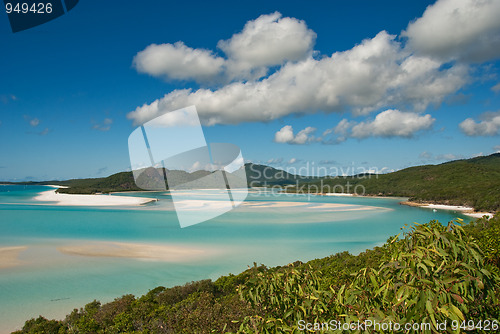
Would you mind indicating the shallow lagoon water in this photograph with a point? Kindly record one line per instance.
(50, 283)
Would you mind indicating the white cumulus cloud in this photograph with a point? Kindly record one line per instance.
(266, 41)
(178, 61)
(370, 76)
(268, 71)
(489, 125)
(286, 135)
(393, 123)
(458, 29)
(389, 123)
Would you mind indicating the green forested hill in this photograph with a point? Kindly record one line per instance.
(473, 182)
(123, 181)
(262, 175)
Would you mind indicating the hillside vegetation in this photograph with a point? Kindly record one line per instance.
(123, 181)
(472, 182)
(430, 275)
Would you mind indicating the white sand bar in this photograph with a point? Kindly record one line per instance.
(90, 200)
(464, 209)
(337, 194)
(167, 253)
(207, 205)
(9, 256)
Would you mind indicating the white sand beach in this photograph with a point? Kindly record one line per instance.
(167, 253)
(337, 194)
(90, 200)
(9, 256)
(466, 210)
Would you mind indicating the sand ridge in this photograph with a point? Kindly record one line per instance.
(9, 256)
(167, 253)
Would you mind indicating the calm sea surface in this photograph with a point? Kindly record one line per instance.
(273, 232)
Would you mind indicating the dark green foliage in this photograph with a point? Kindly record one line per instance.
(117, 182)
(487, 233)
(473, 182)
(41, 325)
(266, 176)
(433, 273)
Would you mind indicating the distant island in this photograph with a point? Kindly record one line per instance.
(471, 182)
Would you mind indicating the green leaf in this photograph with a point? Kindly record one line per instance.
(457, 312)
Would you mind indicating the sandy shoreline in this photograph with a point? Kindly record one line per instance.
(90, 200)
(167, 253)
(468, 211)
(9, 256)
(336, 194)
(196, 204)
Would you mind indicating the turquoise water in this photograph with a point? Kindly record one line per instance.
(50, 283)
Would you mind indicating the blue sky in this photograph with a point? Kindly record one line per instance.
(376, 85)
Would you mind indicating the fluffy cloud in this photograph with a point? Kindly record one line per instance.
(285, 135)
(341, 130)
(393, 123)
(374, 74)
(489, 125)
(458, 29)
(496, 148)
(389, 123)
(267, 41)
(379, 73)
(178, 61)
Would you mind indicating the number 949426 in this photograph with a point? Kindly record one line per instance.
(24, 8)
